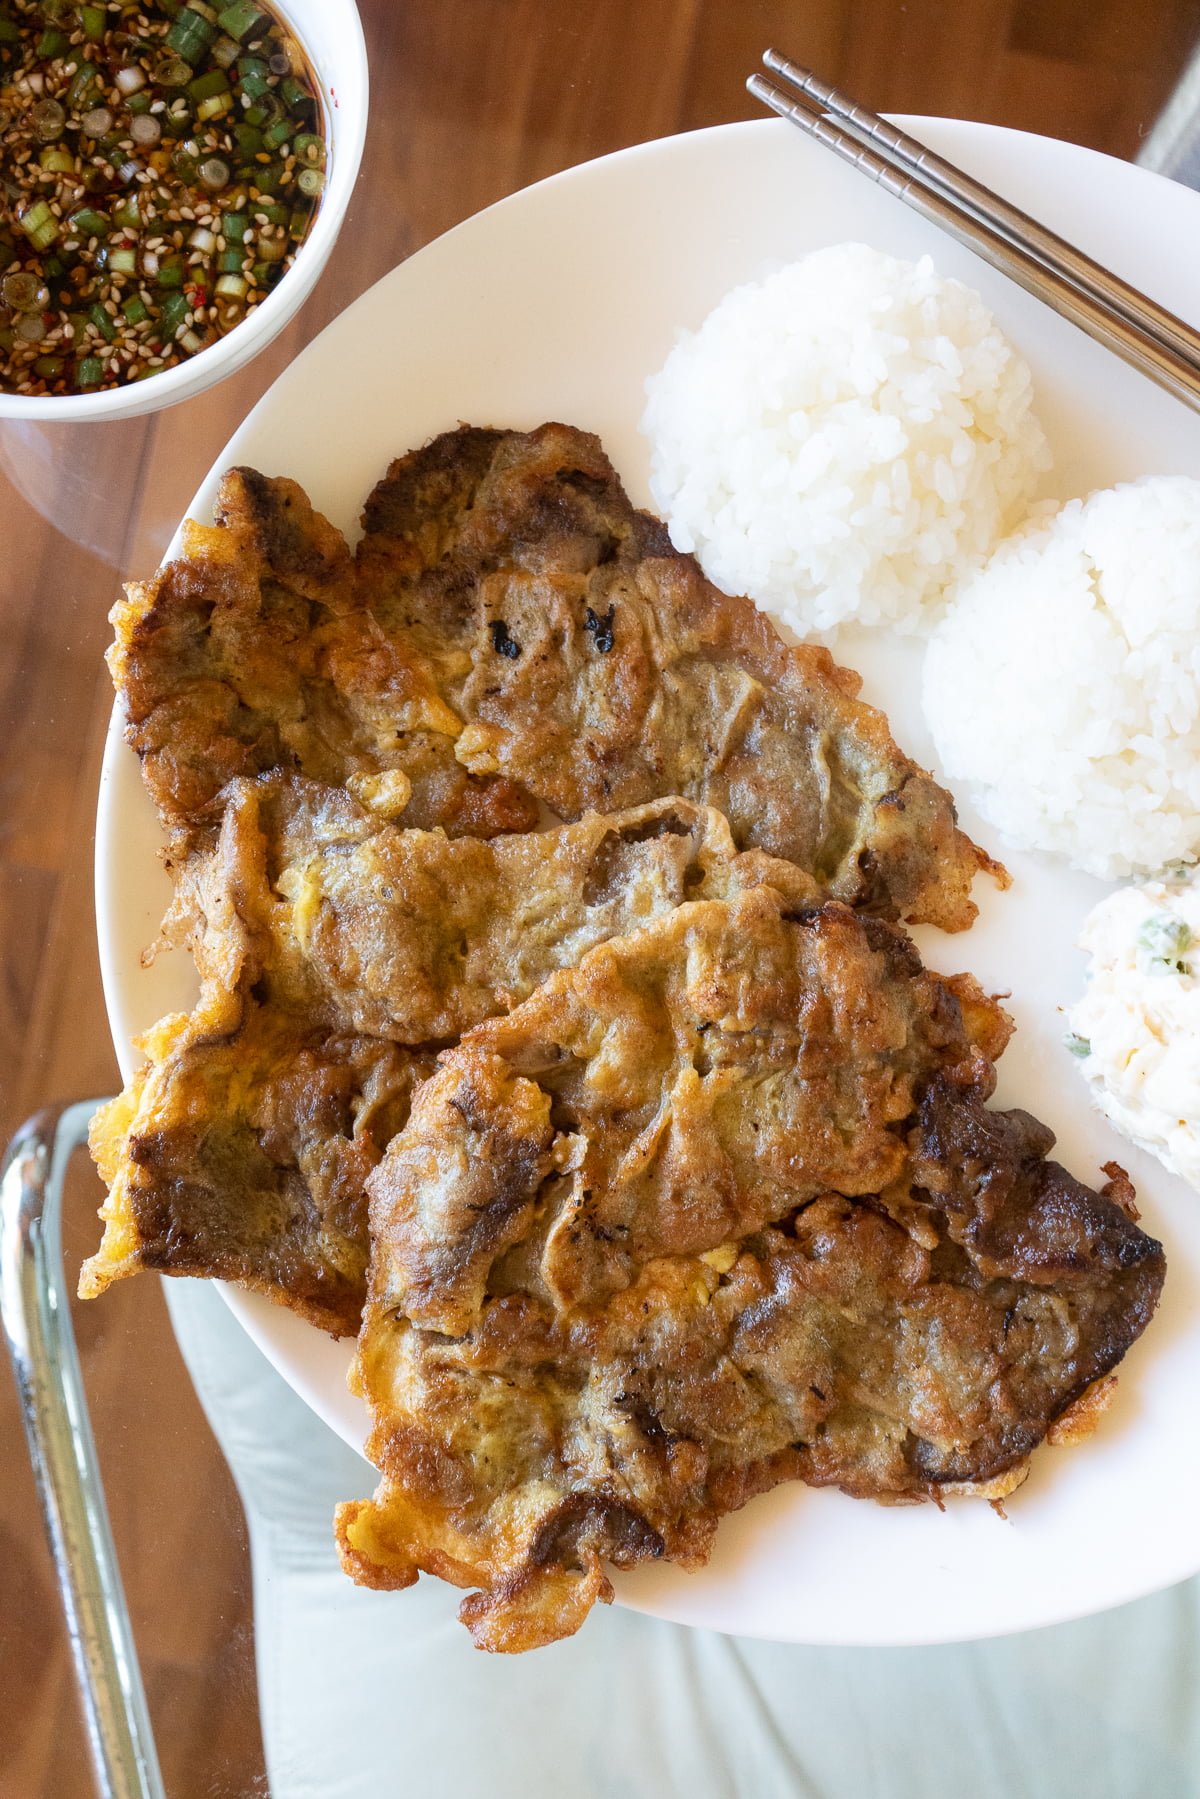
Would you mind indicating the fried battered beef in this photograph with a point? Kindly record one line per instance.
(240, 1152)
(513, 634)
(326, 939)
(702, 1192)
(256, 650)
(593, 664)
(414, 936)
(723, 1206)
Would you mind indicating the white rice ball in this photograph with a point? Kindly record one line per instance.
(843, 439)
(1064, 682)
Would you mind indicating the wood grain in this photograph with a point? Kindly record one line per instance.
(472, 99)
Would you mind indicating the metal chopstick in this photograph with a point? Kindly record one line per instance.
(1063, 257)
(1133, 342)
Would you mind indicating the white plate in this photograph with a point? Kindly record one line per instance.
(558, 303)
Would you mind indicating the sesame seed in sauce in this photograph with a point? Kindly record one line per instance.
(130, 185)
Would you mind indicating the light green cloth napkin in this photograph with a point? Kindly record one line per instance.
(381, 1695)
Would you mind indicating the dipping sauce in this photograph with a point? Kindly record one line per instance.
(160, 165)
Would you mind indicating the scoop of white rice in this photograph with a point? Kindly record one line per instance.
(1064, 682)
(843, 439)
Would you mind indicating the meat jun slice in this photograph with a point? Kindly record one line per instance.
(513, 634)
(326, 940)
(255, 651)
(413, 936)
(595, 667)
(724, 1206)
(241, 1154)
(241, 1148)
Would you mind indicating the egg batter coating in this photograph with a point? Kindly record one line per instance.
(723, 1206)
(411, 935)
(510, 635)
(335, 950)
(256, 650)
(240, 1152)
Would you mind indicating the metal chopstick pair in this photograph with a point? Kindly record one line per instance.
(1143, 333)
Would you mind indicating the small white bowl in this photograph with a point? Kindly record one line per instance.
(331, 33)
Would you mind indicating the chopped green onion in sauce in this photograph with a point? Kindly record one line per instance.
(163, 164)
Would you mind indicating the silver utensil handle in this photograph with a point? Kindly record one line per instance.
(1144, 351)
(41, 1342)
(1029, 233)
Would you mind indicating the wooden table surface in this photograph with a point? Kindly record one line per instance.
(471, 100)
